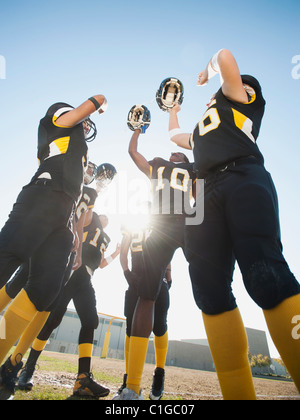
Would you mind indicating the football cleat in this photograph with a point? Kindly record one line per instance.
(25, 382)
(170, 92)
(129, 394)
(85, 386)
(123, 386)
(8, 379)
(157, 384)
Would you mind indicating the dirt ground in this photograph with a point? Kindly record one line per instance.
(185, 384)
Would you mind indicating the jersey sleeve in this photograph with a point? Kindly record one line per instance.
(256, 99)
(56, 111)
(93, 197)
(52, 138)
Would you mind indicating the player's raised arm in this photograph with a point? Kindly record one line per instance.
(224, 64)
(140, 161)
(74, 117)
(175, 134)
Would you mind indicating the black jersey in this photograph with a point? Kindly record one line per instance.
(171, 186)
(95, 243)
(228, 130)
(62, 152)
(137, 242)
(87, 201)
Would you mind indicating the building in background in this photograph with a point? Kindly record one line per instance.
(191, 354)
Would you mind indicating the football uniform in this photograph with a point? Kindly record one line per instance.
(171, 188)
(137, 241)
(241, 218)
(87, 201)
(79, 287)
(62, 152)
(228, 131)
(38, 227)
(95, 243)
(20, 278)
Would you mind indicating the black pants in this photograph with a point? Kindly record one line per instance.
(80, 289)
(241, 222)
(37, 231)
(166, 237)
(20, 278)
(162, 305)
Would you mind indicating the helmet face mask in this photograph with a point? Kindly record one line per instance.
(90, 173)
(169, 93)
(90, 130)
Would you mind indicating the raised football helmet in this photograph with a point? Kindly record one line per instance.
(170, 92)
(139, 118)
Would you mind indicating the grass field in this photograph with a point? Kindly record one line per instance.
(55, 377)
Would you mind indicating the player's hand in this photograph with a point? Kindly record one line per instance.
(76, 242)
(202, 78)
(176, 108)
(131, 278)
(78, 262)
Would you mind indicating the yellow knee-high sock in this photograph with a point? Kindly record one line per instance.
(229, 347)
(283, 324)
(16, 319)
(137, 357)
(39, 345)
(29, 335)
(161, 349)
(4, 299)
(126, 352)
(85, 350)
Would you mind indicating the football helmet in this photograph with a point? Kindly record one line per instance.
(139, 118)
(170, 92)
(90, 130)
(105, 174)
(90, 173)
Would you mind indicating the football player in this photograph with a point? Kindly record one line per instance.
(103, 175)
(171, 182)
(80, 289)
(38, 228)
(134, 241)
(241, 223)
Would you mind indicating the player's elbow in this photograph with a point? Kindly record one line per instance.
(100, 99)
(175, 139)
(225, 56)
(182, 140)
(103, 264)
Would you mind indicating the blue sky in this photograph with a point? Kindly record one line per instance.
(70, 50)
